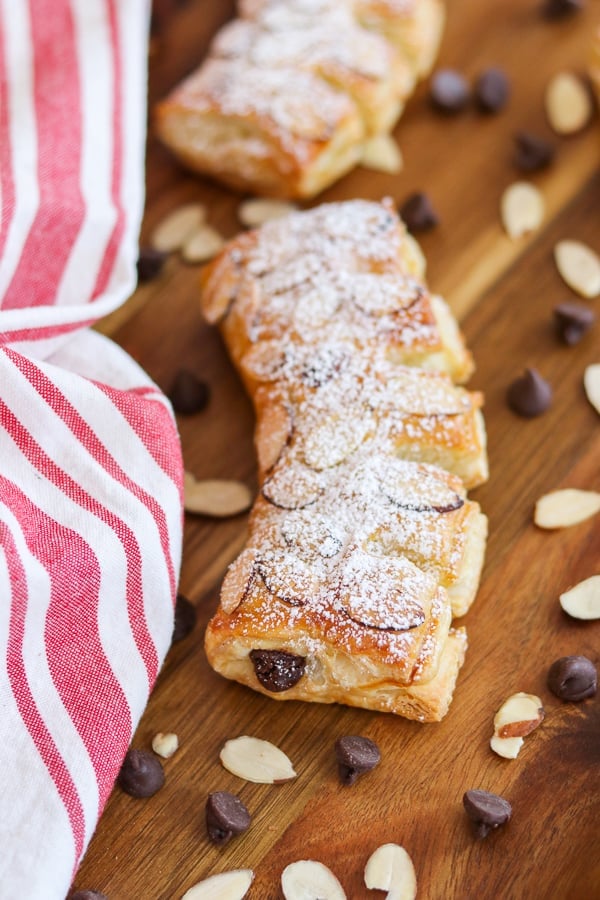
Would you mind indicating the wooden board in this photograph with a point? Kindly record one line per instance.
(504, 292)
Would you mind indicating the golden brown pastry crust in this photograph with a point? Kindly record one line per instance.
(341, 273)
(357, 62)
(288, 97)
(337, 677)
(360, 552)
(387, 506)
(243, 124)
(413, 27)
(405, 411)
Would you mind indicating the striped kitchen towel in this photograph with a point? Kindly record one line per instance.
(90, 461)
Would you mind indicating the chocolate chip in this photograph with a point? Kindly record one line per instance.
(188, 394)
(185, 618)
(355, 755)
(277, 670)
(449, 91)
(560, 9)
(573, 678)
(529, 395)
(532, 152)
(87, 895)
(226, 816)
(486, 811)
(573, 320)
(150, 263)
(417, 212)
(492, 90)
(141, 774)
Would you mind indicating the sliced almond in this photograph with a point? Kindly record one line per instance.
(232, 885)
(256, 760)
(382, 154)
(310, 880)
(518, 716)
(506, 747)
(272, 433)
(238, 581)
(287, 576)
(561, 509)
(390, 868)
(521, 209)
(253, 213)
(165, 745)
(215, 497)
(579, 267)
(293, 486)
(202, 244)
(413, 257)
(568, 103)
(591, 383)
(333, 439)
(583, 600)
(173, 231)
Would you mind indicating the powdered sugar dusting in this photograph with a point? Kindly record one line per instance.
(332, 47)
(352, 545)
(348, 234)
(341, 273)
(270, 13)
(297, 104)
(386, 506)
(305, 10)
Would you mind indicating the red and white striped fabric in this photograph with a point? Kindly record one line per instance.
(90, 462)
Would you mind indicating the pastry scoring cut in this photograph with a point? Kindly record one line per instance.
(292, 91)
(362, 543)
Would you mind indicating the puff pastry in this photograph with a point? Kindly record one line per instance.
(291, 91)
(407, 412)
(413, 27)
(362, 544)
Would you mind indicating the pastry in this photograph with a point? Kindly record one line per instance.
(292, 91)
(322, 650)
(245, 126)
(343, 272)
(414, 27)
(229, 120)
(362, 544)
(357, 62)
(386, 506)
(409, 413)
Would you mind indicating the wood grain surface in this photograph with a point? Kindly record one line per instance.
(504, 292)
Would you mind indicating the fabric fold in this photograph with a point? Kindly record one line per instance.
(90, 459)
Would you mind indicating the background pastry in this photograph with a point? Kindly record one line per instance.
(291, 91)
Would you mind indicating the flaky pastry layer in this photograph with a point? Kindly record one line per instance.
(291, 92)
(363, 544)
